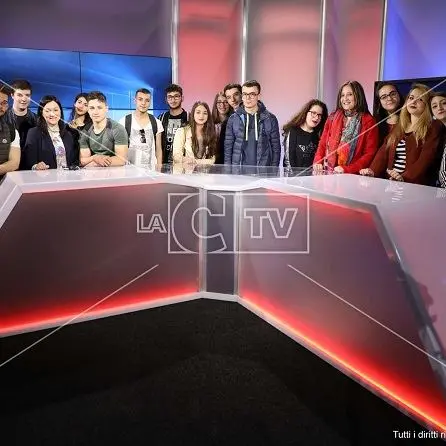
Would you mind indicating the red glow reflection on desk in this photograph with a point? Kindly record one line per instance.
(78, 311)
(431, 414)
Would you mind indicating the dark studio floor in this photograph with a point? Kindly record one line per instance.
(197, 373)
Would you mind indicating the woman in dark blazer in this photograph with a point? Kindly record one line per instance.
(50, 145)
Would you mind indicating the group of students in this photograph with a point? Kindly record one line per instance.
(403, 140)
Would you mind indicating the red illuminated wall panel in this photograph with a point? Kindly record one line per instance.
(283, 52)
(209, 48)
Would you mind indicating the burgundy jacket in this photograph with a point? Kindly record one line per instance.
(420, 158)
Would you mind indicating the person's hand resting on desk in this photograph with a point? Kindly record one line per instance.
(188, 160)
(318, 169)
(367, 172)
(394, 175)
(338, 169)
(101, 161)
(40, 166)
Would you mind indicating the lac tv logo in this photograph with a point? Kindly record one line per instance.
(242, 222)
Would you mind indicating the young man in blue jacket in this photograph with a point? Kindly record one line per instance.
(252, 134)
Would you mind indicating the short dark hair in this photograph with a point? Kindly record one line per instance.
(21, 84)
(5, 89)
(252, 83)
(231, 86)
(143, 91)
(174, 88)
(97, 95)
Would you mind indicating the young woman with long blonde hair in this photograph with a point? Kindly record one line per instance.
(411, 148)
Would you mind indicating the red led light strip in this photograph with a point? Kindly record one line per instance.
(75, 316)
(380, 388)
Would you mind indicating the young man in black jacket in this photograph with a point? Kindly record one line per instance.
(19, 115)
(252, 136)
(9, 137)
(172, 120)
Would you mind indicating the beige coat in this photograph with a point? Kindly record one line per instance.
(182, 144)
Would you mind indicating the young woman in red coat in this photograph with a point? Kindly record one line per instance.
(350, 137)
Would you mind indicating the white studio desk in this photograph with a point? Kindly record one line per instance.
(350, 267)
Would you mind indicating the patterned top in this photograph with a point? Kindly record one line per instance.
(59, 148)
(399, 163)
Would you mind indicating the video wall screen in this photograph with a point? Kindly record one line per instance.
(65, 74)
(50, 72)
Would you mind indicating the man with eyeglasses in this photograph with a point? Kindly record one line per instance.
(252, 135)
(172, 120)
(144, 132)
(9, 137)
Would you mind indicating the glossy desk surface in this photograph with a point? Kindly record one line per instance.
(409, 219)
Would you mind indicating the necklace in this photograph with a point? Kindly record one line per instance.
(54, 130)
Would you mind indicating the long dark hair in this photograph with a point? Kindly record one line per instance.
(41, 123)
(87, 117)
(301, 116)
(215, 112)
(209, 134)
(358, 93)
(421, 128)
(380, 114)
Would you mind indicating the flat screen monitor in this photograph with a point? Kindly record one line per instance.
(119, 76)
(50, 72)
(66, 73)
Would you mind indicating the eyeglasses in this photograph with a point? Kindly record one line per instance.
(173, 96)
(3, 103)
(250, 95)
(393, 94)
(142, 135)
(222, 102)
(315, 114)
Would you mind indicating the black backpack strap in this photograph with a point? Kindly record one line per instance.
(11, 131)
(164, 118)
(128, 124)
(154, 124)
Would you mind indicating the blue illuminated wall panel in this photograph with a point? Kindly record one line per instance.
(119, 76)
(415, 39)
(50, 72)
(66, 73)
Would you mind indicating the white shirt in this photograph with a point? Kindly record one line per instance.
(142, 153)
(16, 142)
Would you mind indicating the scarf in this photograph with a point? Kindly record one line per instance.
(342, 141)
